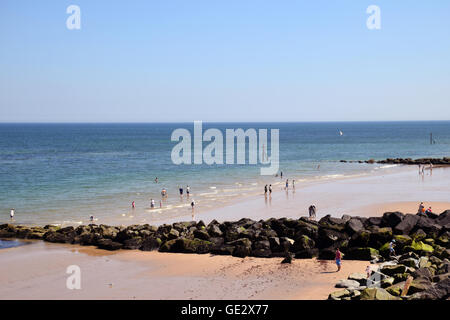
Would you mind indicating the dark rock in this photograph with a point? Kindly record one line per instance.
(327, 254)
(287, 259)
(214, 230)
(360, 239)
(406, 225)
(201, 234)
(150, 244)
(391, 219)
(108, 244)
(361, 254)
(261, 249)
(308, 254)
(354, 225)
(132, 244)
(302, 243)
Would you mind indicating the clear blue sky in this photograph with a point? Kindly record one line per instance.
(224, 60)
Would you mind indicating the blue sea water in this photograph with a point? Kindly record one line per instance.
(63, 173)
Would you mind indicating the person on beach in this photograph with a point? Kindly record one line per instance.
(181, 192)
(163, 193)
(91, 218)
(270, 190)
(421, 207)
(293, 184)
(281, 175)
(391, 248)
(11, 214)
(287, 184)
(152, 203)
(338, 259)
(156, 180)
(133, 205)
(420, 169)
(428, 211)
(265, 190)
(187, 191)
(431, 168)
(368, 272)
(312, 212)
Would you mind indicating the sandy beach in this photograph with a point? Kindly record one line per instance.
(38, 270)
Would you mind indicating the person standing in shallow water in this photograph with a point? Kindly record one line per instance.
(133, 205)
(265, 190)
(11, 214)
(338, 259)
(270, 190)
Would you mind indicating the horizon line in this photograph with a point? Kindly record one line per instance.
(205, 121)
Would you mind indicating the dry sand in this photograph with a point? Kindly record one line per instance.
(38, 271)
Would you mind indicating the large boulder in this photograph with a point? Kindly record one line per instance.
(307, 253)
(348, 284)
(360, 239)
(380, 236)
(444, 218)
(338, 295)
(407, 224)
(391, 270)
(150, 244)
(330, 237)
(391, 219)
(261, 249)
(108, 244)
(332, 223)
(366, 253)
(354, 225)
(377, 294)
(302, 243)
(361, 278)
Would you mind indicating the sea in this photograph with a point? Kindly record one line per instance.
(63, 174)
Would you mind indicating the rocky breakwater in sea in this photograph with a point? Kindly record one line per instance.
(418, 238)
(423, 161)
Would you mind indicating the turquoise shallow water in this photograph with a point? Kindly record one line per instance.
(63, 173)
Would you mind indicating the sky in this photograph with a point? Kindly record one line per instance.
(233, 60)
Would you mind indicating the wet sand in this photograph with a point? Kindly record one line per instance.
(400, 188)
(38, 271)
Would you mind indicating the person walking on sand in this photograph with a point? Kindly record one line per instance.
(293, 184)
(281, 175)
(265, 190)
(287, 184)
(338, 259)
(133, 205)
(270, 190)
(11, 214)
